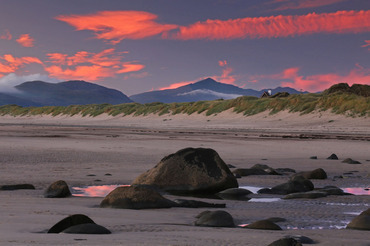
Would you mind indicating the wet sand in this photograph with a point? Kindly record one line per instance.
(115, 150)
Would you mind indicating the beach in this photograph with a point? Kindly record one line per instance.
(107, 150)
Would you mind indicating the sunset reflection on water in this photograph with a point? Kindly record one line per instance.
(357, 191)
(94, 191)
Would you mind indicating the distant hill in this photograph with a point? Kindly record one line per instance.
(204, 90)
(39, 93)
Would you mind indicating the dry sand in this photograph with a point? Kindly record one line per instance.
(42, 149)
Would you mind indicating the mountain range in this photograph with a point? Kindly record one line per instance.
(204, 90)
(39, 93)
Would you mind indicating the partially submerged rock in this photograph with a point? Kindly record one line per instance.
(263, 225)
(361, 222)
(197, 204)
(307, 195)
(235, 194)
(135, 198)
(190, 170)
(296, 184)
(318, 173)
(215, 219)
(285, 242)
(58, 189)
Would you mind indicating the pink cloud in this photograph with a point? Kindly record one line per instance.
(115, 26)
(25, 40)
(277, 26)
(176, 85)
(10, 64)
(90, 66)
(6, 36)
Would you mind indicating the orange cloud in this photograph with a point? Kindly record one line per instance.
(302, 4)
(277, 26)
(319, 82)
(6, 36)
(10, 64)
(25, 40)
(115, 26)
(89, 66)
(177, 85)
(222, 63)
(226, 76)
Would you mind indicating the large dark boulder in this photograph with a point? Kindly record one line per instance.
(263, 225)
(58, 189)
(135, 198)
(69, 221)
(361, 222)
(190, 170)
(215, 219)
(318, 173)
(296, 184)
(87, 229)
(17, 187)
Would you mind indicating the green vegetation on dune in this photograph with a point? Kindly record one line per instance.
(338, 102)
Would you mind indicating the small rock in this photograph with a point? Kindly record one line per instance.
(307, 195)
(351, 161)
(318, 173)
(58, 189)
(235, 194)
(332, 157)
(263, 225)
(198, 204)
(215, 219)
(313, 157)
(17, 187)
(285, 242)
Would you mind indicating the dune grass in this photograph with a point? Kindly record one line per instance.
(339, 103)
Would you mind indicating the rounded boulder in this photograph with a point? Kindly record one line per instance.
(190, 170)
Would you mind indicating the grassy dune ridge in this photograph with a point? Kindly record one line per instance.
(340, 103)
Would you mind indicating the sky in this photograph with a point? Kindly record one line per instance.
(144, 45)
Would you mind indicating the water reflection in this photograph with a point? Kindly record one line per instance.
(357, 190)
(94, 190)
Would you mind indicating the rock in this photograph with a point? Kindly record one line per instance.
(235, 194)
(333, 190)
(302, 239)
(313, 157)
(265, 168)
(249, 171)
(297, 184)
(318, 173)
(190, 170)
(198, 204)
(351, 161)
(132, 197)
(332, 157)
(361, 222)
(17, 187)
(263, 225)
(307, 195)
(215, 219)
(285, 242)
(285, 170)
(230, 166)
(87, 229)
(72, 220)
(58, 189)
